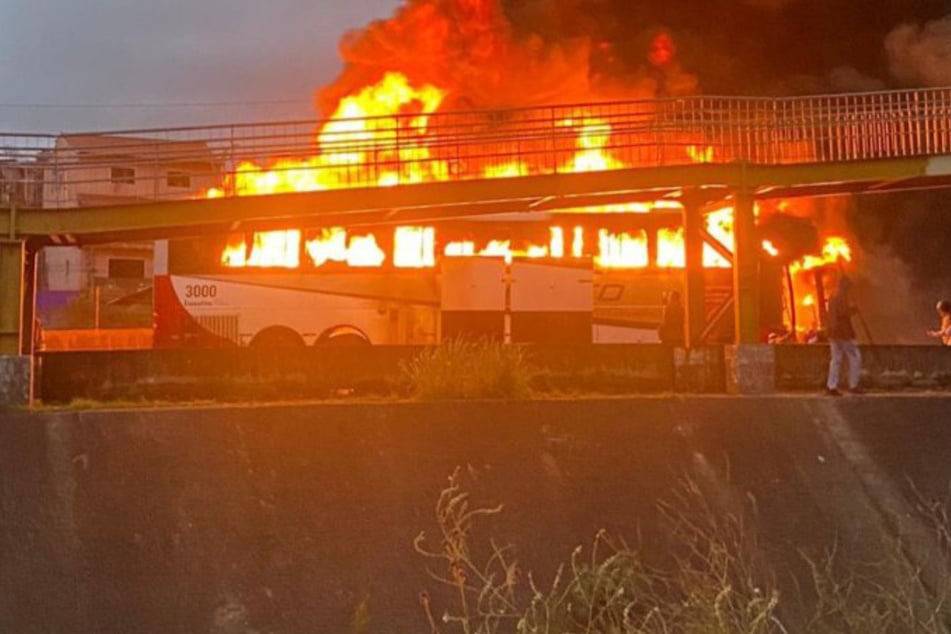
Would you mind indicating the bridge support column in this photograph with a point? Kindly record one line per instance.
(15, 368)
(695, 300)
(745, 270)
(750, 365)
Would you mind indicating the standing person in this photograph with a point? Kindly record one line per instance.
(671, 329)
(842, 339)
(944, 331)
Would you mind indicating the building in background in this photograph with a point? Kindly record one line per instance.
(74, 284)
(21, 184)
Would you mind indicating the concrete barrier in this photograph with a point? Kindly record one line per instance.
(242, 374)
(228, 375)
(15, 380)
(295, 518)
(750, 369)
(884, 367)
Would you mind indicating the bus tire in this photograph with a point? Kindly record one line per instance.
(280, 337)
(343, 336)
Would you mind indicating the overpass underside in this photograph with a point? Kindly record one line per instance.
(437, 201)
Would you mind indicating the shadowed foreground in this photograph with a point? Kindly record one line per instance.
(302, 518)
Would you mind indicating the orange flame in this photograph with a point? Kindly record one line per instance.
(622, 250)
(699, 154)
(504, 249)
(386, 125)
(577, 244)
(670, 249)
(414, 247)
(835, 249)
(236, 252)
(594, 135)
(720, 227)
(366, 122)
(334, 245)
(391, 120)
(268, 249)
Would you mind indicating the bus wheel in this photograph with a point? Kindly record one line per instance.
(277, 337)
(344, 336)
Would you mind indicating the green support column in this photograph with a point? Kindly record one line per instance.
(746, 270)
(695, 296)
(28, 313)
(12, 260)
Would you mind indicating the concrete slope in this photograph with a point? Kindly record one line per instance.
(289, 518)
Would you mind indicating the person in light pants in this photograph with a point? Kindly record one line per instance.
(842, 339)
(944, 331)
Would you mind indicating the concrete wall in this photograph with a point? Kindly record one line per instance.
(235, 374)
(319, 372)
(286, 518)
(14, 380)
(884, 367)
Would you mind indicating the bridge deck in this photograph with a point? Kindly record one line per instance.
(469, 163)
(431, 202)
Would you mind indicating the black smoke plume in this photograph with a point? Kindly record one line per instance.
(503, 53)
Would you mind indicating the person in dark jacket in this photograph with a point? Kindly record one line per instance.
(842, 339)
(671, 329)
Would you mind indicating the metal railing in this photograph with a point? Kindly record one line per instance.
(141, 165)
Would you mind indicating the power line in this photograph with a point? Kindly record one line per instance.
(200, 104)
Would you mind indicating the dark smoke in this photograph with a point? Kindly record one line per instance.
(519, 52)
(741, 46)
(789, 47)
(921, 54)
(500, 53)
(849, 79)
(484, 58)
(915, 226)
(769, 4)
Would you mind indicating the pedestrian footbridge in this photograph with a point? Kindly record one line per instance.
(145, 183)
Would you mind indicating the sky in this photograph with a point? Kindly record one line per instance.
(124, 52)
(77, 65)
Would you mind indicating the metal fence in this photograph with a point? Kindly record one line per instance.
(140, 165)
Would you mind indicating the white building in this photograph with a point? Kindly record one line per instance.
(84, 170)
(21, 183)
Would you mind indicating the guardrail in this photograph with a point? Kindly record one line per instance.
(141, 165)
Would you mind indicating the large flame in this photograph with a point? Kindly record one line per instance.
(335, 245)
(387, 125)
(622, 250)
(389, 119)
(835, 252)
(593, 138)
(836, 249)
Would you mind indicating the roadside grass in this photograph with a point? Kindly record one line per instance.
(712, 581)
(463, 369)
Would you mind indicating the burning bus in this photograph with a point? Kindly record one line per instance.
(558, 278)
(552, 277)
(594, 273)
